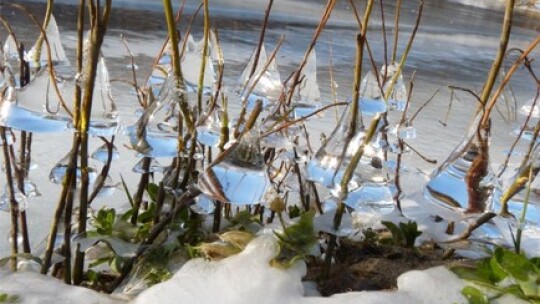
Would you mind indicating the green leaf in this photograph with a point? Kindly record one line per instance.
(294, 211)
(397, 235)
(127, 216)
(98, 262)
(92, 276)
(516, 265)
(536, 263)
(471, 274)
(410, 232)
(474, 296)
(300, 237)
(6, 298)
(148, 215)
(152, 190)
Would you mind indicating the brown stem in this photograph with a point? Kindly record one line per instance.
(68, 180)
(100, 17)
(396, 30)
(14, 205)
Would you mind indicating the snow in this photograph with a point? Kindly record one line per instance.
(244, 278)
(39, 289)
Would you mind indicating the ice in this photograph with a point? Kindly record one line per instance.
(369, 184)
(241, 178)
(371, 197)
(101, 154)
(17, 113)
(37, 107)
(30, 188)
(5, 202)
(398, 98)
(528, 133)
(104, 120)
(191, 67)
(530, 108)
(117, 244)
(404, 131)
(154, 166)
(37, 56)
(281, 139)
(371, 100)
(203, 205)
(155, 134)
(325, 223)
(210, 132)
(10, 49)
(307, 96)
(58, 172)
(448, 185)
(269, 86)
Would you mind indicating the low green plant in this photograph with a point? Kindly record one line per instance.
(296, 241)
(6, 298)
(403, 235)
(504, 273)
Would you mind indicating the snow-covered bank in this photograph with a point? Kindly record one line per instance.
(34, 288)
(243, 278)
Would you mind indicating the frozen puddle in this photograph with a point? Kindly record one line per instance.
(243, 278)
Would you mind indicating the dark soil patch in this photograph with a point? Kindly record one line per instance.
(373, 266)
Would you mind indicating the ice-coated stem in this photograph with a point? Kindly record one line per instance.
(21, 175)
(396, 30)
(503, 45)
(360, 41)
(46, 20)
(204, 55)
(177, 69)
(100, 19)
(374, 124)
(524, 211)
(68, 180)
(479, 166)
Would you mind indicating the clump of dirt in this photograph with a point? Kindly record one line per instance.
(373, 266)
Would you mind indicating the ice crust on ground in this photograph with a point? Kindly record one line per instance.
(243, 278)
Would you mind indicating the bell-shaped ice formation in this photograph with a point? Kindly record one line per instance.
(263, 84)
(307, 96)
(156, 132)
(241, 177)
